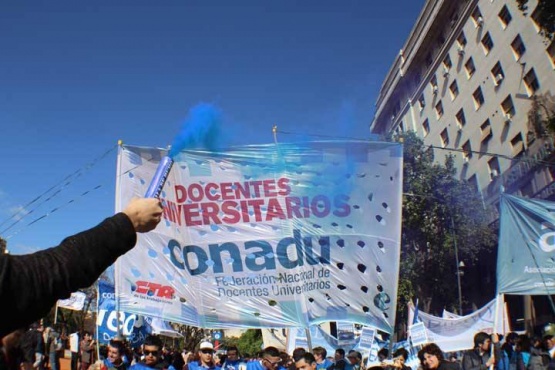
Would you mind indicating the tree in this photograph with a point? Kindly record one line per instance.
(433, 202)
(544, 14)
(3, 246)
(192, 335)
(249, 343)
(541, 116)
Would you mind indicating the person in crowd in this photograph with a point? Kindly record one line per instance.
(152, 354)
(233, 359)
(55, 273)
(286, 360)
(320, 354)
(176, 361)
(539, 356)
(340, 362)
(400, 356)
(74, 349)
(115, 356)
(306, 362)
(523, 352)
(54, 348)
(480, 357)
(205, 357)
(355, 358)
(87, 346)
(383, 354)
(269, 360)
(549, 345)
(509, 348)
(431, 358)
(32, 347)
(297, 354)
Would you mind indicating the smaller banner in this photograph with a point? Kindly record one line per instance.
(132, 326)
(525, 262)
(418, 334)
(457, 334)
(366, 339)
(75, 302)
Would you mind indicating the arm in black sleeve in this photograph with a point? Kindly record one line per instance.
(31, 284)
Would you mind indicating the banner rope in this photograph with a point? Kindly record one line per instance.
(51, 193)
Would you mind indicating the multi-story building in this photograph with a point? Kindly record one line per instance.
(475, 79)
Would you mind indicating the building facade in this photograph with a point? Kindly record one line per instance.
(476, 79)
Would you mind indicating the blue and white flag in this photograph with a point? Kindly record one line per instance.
(131, 326)
(526, 255)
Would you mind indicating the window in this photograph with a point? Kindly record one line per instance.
(461, 119)
(551, 52)
(477, 17)
(487, 43)
(429, 60)
(454, 89)
(426, 127)
(400, 128)
(447, 64)
(467, 151)
(433, 84)
(518, 47)
(439, 110)
(473, 181)
(461, 43)
(517, 145)
(421, 102)
(497, 74)
(478, 98)
(505, 16)
(485, 129)
(470, 68)
(531, 82)
(508, 108)
(535, 16)
(444, 138)
(493, 166)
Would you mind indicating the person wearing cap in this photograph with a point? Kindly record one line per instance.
(355, 358)
(205, 358)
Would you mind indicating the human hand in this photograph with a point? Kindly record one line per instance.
(490, 361)
(495, 338)
(144, 213)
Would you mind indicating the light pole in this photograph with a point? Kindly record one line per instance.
(458, 265)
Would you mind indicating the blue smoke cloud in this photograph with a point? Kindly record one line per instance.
(200, 130)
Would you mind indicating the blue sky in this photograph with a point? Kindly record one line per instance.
(76, 76)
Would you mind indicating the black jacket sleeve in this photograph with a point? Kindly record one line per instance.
(31, 284)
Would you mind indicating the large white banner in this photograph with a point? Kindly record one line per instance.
(457, 334)
(267, 236)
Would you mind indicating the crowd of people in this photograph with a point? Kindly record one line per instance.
(41, 350)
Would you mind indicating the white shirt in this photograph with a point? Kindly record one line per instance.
(74, 342)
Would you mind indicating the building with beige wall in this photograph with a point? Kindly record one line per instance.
(465, 82)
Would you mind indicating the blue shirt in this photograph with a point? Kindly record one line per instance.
(233, 365)
(195, 365)
(324, 365)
